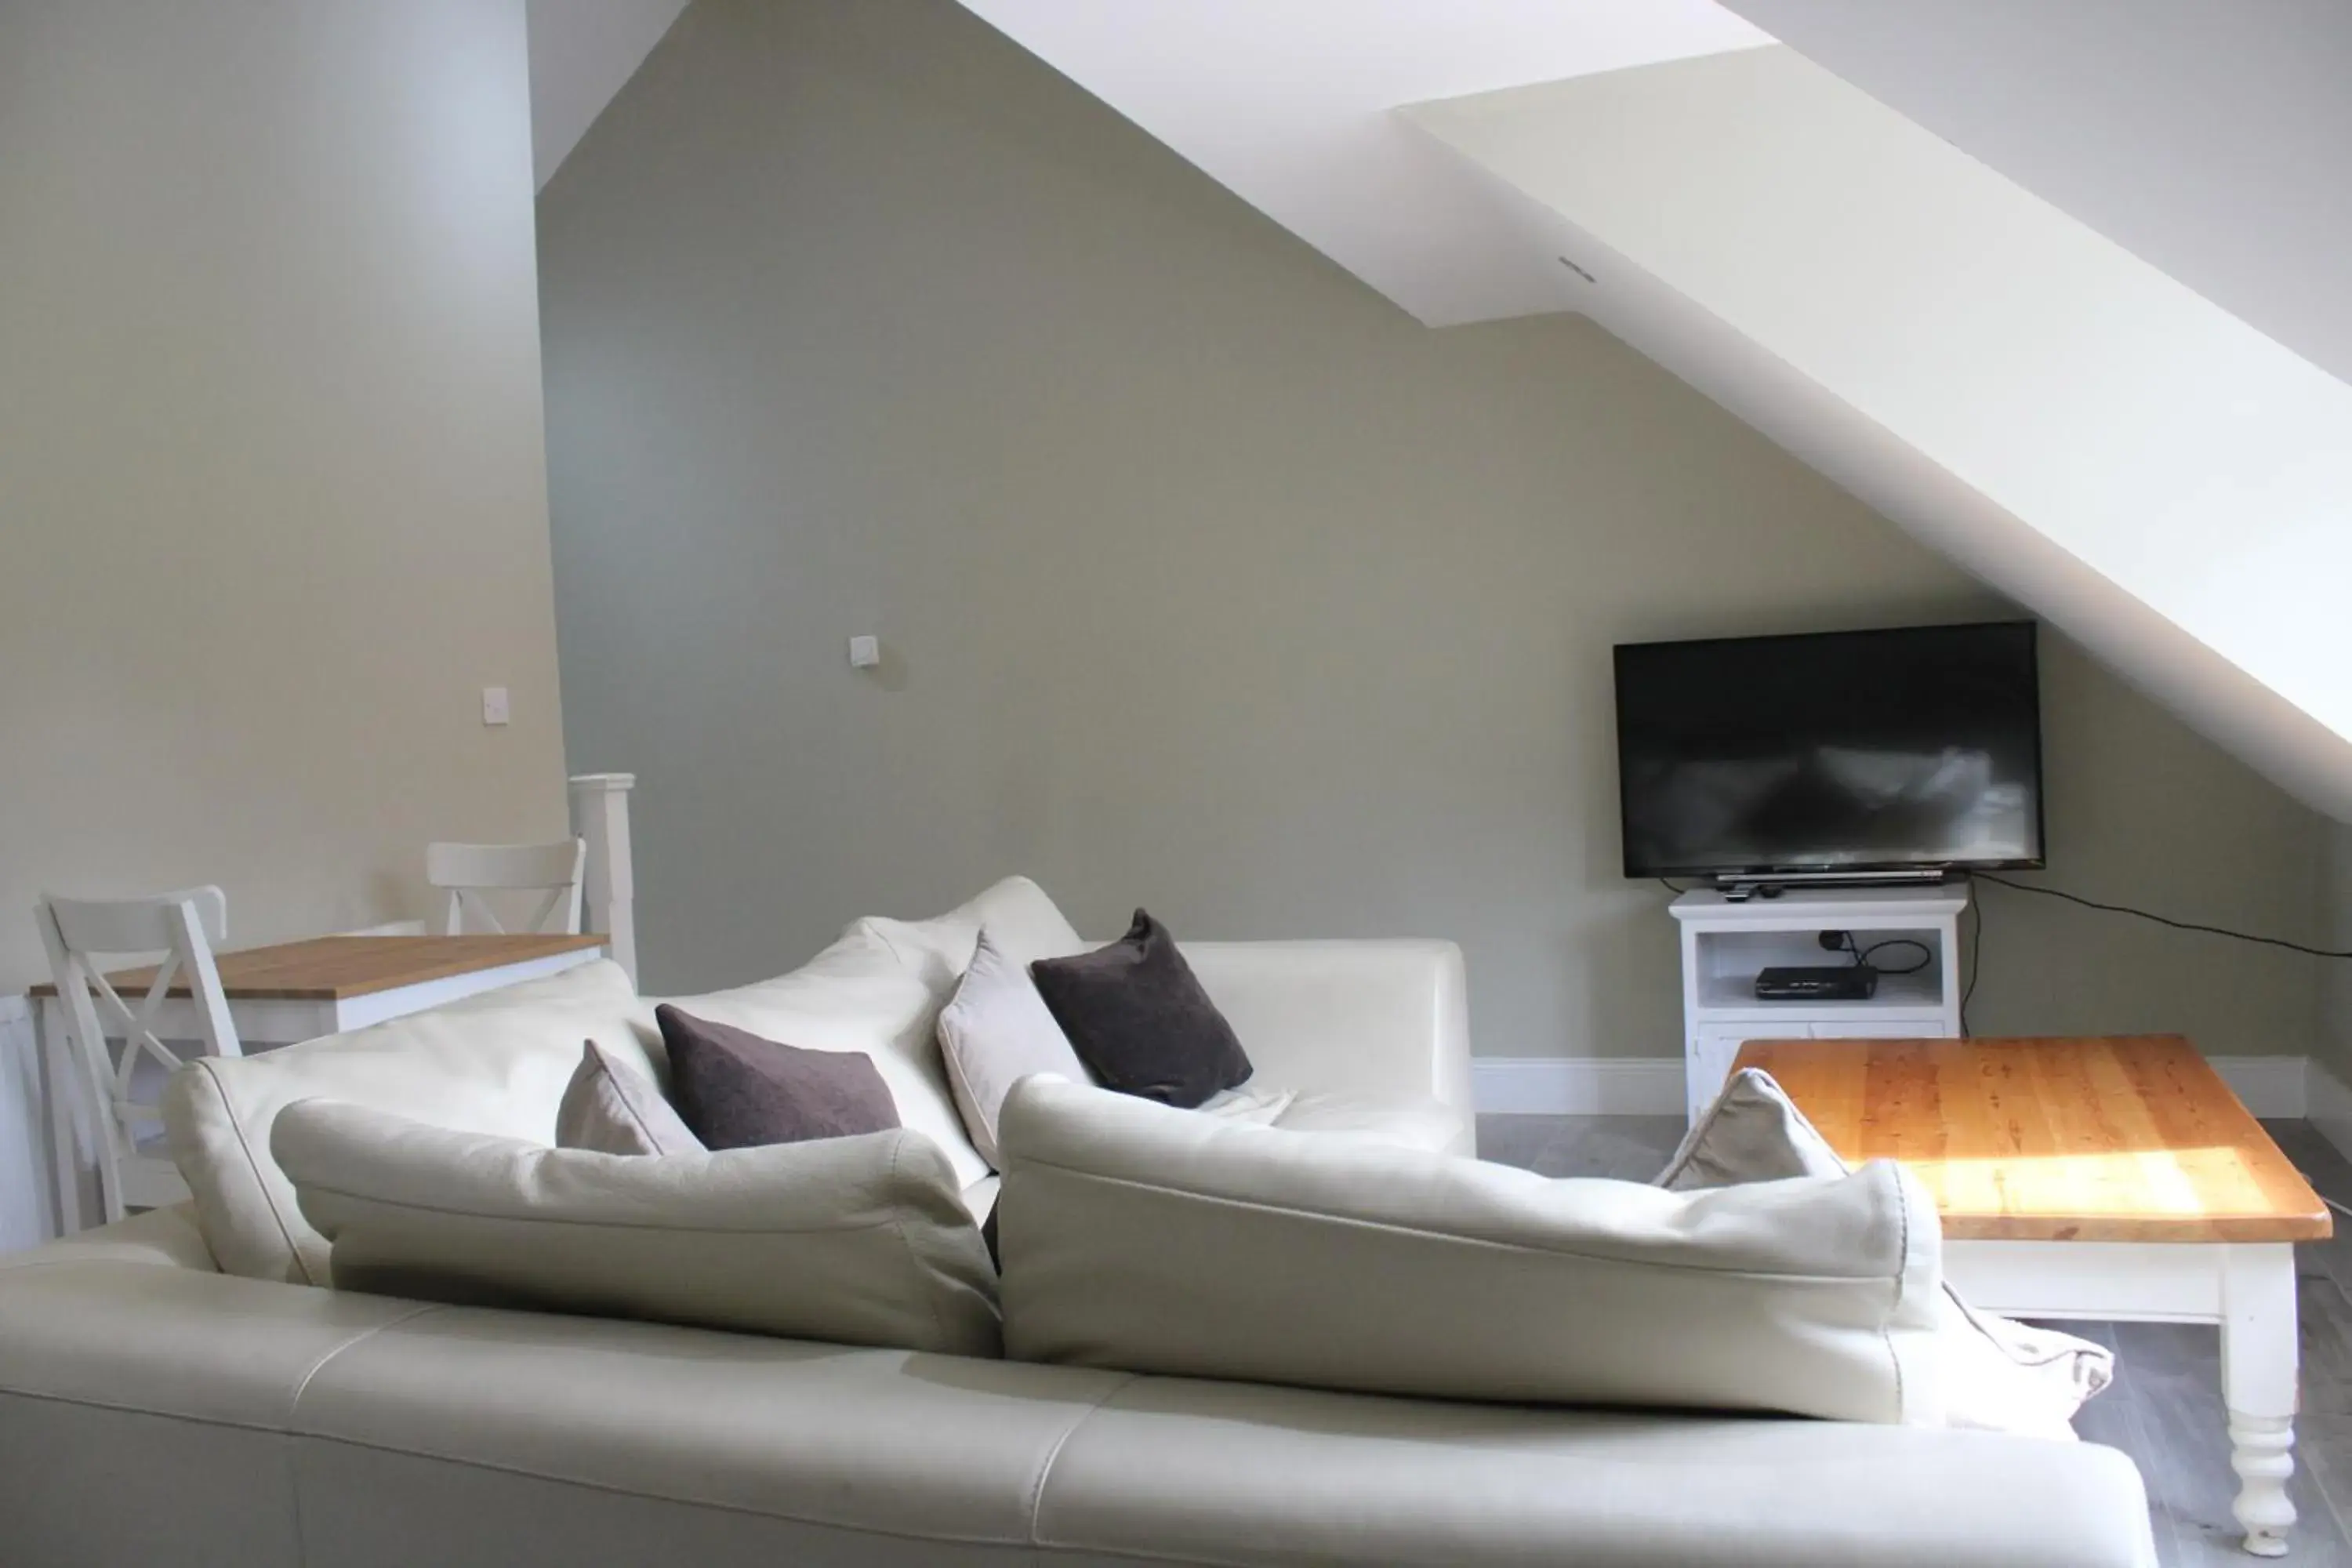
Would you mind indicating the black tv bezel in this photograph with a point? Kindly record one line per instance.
(1817, 871)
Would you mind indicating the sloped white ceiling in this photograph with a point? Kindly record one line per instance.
(2110, 447)
(2088, 434)
(1286, 103)
(581, 52)
(2212, 141)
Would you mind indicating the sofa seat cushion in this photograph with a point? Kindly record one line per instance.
(980, 1196)
(1392, 1119)
(859, 1240)
(1137, 1236)
(164, 1414)
(495, 1064)
(938, 951)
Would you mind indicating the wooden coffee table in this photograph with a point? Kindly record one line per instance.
(2096, 1178)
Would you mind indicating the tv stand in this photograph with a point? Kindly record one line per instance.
(1728, 938)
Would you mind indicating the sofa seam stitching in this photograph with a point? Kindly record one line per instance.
(1449, 1236)
(294, 1405)
(663, 1227)
(295, 1435)
(92, 1258)
(1054, 1455)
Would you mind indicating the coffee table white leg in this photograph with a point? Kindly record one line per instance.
(2259, 1355)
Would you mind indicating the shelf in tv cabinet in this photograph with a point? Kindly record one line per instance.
(1732, 997)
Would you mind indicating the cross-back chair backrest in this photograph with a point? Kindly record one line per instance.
(83, 937)
(469, 871)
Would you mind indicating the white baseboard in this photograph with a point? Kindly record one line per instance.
(1578, 1085)
(2268, 1086)
(1652, 1086)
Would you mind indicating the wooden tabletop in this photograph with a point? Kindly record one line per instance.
(2128, 1138)
(334, 968)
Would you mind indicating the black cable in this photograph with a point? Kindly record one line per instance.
(2160, 920)
(1861, 955)
(1976, 960)
(1669, 887)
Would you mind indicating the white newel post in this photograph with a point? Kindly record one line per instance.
(600, 814)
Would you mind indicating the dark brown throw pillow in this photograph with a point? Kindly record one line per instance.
(737, 1091)
(1139, 1021)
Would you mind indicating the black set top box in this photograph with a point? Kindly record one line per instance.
(1818, 982)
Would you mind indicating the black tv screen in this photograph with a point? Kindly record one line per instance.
(1883, 751)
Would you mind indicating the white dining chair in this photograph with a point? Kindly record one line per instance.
(177, 931)
(469, 871)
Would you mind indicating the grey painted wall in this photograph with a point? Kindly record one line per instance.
(2212, 141)
(272, 472)
(1208, 579)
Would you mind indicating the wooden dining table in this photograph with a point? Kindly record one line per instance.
(291, 992)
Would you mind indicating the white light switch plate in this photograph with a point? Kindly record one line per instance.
(865, 653)
(494, 704)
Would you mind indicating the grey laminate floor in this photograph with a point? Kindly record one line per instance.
(2164, 1408)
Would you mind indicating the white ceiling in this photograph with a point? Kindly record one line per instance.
(582, 52)
(2208, 140)
(1286, 102)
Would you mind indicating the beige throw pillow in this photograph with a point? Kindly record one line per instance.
(993, 1033)
(610, 1108)
(1146, 1238)
(2002, 1376)
(1753, 1132)
(856, 1240)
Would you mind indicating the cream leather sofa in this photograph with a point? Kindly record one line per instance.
(156, 1409)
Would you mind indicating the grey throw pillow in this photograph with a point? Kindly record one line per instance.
(610, 1108)
(737, 1091)
(1140, 1022)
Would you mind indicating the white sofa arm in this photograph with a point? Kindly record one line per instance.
(1371, 1018)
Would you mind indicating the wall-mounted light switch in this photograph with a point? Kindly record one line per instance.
(865, 653)
(494, 704)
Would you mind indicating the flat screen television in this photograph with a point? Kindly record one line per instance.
(1858, 753)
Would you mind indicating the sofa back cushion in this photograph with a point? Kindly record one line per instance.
(859, 1240)
(1024, 922)
(496, 1064)
(1138, 1237)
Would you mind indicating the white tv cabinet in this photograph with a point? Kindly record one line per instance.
(1726, 942)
